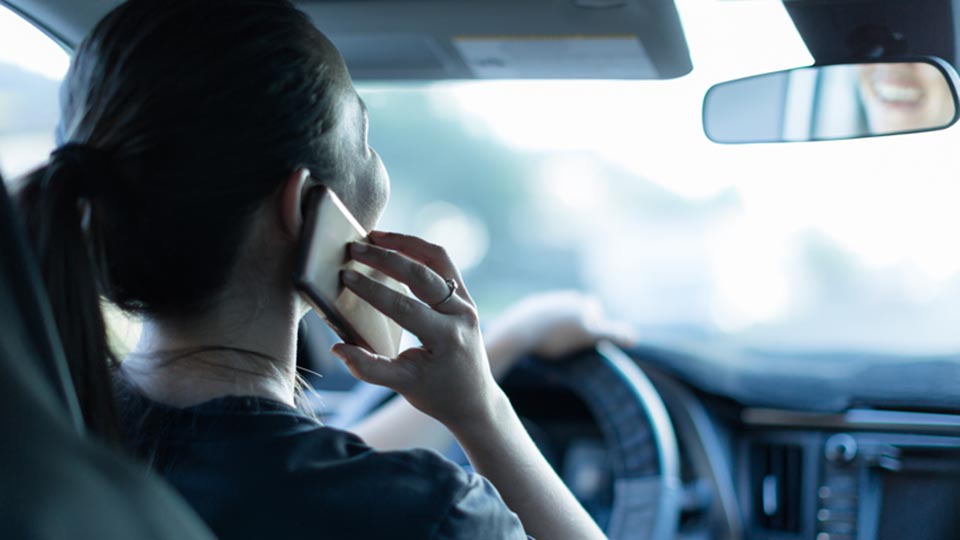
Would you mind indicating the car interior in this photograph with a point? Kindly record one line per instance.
(57, 483)
(762, 189)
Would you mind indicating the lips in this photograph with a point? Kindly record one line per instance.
(898, 93)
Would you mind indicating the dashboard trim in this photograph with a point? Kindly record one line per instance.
(854, 419)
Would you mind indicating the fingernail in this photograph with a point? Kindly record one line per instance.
(358, 248)
(350, 276)
(378, 234)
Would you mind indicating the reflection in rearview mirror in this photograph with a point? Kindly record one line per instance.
(832, 102)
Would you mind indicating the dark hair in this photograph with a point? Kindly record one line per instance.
(179, 118)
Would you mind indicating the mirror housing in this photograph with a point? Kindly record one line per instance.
(833, 102)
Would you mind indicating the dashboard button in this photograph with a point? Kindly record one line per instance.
(841, 448)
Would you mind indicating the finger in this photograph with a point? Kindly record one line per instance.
(433, 256)
(367, 366)
(425, 284)
(620, 333)
(415, 316)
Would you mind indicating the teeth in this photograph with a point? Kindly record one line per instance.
(897, 93)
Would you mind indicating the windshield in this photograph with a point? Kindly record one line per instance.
(611, 187)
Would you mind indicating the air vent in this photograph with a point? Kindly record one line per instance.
(776, 473)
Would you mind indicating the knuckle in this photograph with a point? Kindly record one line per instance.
(419, 272)
(405, 378)
(463, 336)
(439, 251)
(471, 317)
(355, 368)
(434, 253)
(364, 286)
(402, 305)
(381, 255)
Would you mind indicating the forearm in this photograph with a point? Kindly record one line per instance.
(500, 449)
(399, 426)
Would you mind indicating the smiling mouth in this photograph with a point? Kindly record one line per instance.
(898, 93)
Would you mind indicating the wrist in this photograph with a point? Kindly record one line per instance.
(487, 420)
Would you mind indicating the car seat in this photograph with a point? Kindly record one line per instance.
(54, 481)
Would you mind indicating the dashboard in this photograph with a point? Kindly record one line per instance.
(755, 466)
(866, 474)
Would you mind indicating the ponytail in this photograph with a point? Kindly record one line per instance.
(59, 204)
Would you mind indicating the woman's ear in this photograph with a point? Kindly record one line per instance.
(291, 202)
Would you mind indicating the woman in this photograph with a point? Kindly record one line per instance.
(192, 132)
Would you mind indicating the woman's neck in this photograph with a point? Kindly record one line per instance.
(236, 349)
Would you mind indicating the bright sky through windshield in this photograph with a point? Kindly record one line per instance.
(885, 205)
(34, 51)
(656, 132)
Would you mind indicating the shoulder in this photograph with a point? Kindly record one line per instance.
(423, 486)
(224, 456)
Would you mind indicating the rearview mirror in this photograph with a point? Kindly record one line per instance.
(844, 101)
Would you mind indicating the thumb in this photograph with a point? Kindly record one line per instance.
(367, 366)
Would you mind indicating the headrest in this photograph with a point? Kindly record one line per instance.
(27, 325)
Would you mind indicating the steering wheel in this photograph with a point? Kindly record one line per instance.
(632, 419)
(637, 432)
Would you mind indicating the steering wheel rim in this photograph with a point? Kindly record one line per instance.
(639, 435)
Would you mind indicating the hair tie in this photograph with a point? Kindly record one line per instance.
(94, 167)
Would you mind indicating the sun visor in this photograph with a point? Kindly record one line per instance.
(838, 32)
(482, 39)
(387, 40)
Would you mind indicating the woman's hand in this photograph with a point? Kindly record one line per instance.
(448, 377)
(551, 325)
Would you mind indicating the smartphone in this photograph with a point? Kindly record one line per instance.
(328, 230)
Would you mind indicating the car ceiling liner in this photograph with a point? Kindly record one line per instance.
(389, 40)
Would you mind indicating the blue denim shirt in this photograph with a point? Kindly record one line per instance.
(255, 468)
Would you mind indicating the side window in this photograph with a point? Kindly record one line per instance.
(32, 65)
(31, 68)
